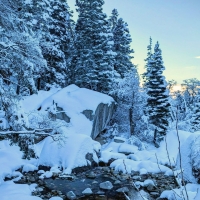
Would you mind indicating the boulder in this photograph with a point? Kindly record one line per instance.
(87, 111)
(102, 116)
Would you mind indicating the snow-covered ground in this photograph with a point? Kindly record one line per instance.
(68, 150)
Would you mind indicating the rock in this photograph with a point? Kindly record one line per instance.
(103, 115)
(136, 178)
(87, 191)
(101, 197)
(117, 182)
(123, 189)
(91, 175)
(89, 114)
(119, 139)
(71, 195)
(106, 169)
(61, 114)
(154, 194)
(149, 184)
(106, 185)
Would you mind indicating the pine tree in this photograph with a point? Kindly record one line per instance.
(122, 42)
(148, 61)
(158, 97)
(94, 56)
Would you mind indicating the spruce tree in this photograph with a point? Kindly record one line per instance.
(158, 98)
(148, 61)
(122, 42)
(113, 19)
(94, 43)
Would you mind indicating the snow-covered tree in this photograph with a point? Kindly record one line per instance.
(20, 54)
(113, 19)
(122, 48)
(129, 112)
(158, 96)
(148, 61)
(94, 58)
(53, 23)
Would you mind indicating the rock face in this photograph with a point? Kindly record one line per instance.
(103, 115)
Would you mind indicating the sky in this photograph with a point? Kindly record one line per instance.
(175, 24)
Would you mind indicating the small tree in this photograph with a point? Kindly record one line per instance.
(158, 96)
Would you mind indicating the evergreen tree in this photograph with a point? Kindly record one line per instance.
(113, 19)
(94, 43)
(148, 61)
(158, 97)
(54, 26)
(122, 41)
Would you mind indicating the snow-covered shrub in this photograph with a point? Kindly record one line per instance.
(135, 141)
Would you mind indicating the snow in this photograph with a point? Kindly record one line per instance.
(11, 191)
(126, 166)
(180, 194)
(147, 160)
(11, 159)
(29, 168)
(71, 154)
(190, 156)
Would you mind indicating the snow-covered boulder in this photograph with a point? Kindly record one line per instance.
(190, 156)
(87, 111)
(69, 154)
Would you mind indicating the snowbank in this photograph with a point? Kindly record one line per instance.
(11, 191)
(10, 159)
(190, 156)
(70, 154)
(180, 194)
(144, 167)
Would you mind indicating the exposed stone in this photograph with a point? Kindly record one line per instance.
(119, 139)
(117, 182)
(87, 191)
(61, 114)
(107, 185)
(91, 175)
(89, 114)
(71, 195)
(123, 189)
(103, 115)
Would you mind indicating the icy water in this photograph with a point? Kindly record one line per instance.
(80, 184)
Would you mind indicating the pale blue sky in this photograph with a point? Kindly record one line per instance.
(174, 23)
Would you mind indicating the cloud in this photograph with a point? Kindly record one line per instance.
(198, 57)
(191, 67)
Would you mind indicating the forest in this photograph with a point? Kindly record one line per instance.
(51, 64)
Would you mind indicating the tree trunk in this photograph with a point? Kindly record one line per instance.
(131, 121)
